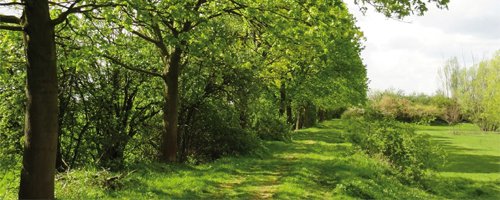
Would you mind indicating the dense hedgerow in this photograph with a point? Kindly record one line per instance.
(420, 109)
(410, 153)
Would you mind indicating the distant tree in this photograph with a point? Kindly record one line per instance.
(448, 76)
(401, 8)
(477, 91)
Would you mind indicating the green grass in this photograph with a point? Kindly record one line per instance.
(473, 162)
(318, 164)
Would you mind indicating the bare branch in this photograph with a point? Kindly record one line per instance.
(160, 44)
(64, 15)
(80, 9)
(11, 28)
(145, 37)
(133, 68)
(169, 25)
(12, 4)
(227, 10)
(10, 19)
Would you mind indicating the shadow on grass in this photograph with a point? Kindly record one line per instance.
(462, 188)
(289, 170)
(316, 165)
(466, 163)
(459, 160)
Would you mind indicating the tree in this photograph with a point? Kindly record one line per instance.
(401, 8)
(476, 91)
(170, 27)
(449, 77)
(37, 176)
(40, 144)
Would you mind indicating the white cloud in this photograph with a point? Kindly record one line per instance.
(407, 55)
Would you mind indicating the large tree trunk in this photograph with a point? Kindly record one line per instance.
(170, 111)
(37, 175)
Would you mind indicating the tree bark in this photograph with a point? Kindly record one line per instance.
(60, 165)
(171, 107)
(298, 123)
(321, 115)
(37, 175)
(289, 112)
(283, 100)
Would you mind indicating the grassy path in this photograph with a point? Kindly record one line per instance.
(318, 164)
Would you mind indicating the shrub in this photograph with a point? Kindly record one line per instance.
(420, 109)
(410, 153)
(353, 113)
(214, 133)
(269, 127)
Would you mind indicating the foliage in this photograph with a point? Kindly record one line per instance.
(417, 108)
(12, 79)
(397, 143)
(131, 72)
(476, 91)
(353, 113)
(401, 8)
(269, 127)
(214, 133)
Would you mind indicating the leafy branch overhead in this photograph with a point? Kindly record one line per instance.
(401, 8)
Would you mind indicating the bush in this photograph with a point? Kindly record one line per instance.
(410, 153)
(269, 127)
(420, 109)
(353, 113)
(213, 133)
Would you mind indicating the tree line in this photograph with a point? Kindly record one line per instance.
(476, 89)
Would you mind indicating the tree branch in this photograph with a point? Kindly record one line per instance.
(160, 44)
(230, 11)
(145, 37)
(12, 4)
(169, 25)
(64, 15)
(136, 69)
(10, 19)
(80, 9)
(11, 28)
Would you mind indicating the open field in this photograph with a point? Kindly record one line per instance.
(473, 162)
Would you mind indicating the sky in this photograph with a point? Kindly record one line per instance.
(407, 54)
